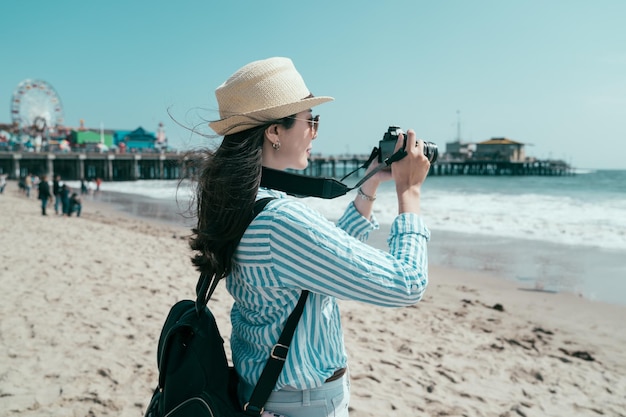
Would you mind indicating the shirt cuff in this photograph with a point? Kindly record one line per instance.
(409, 223)
(357, 226)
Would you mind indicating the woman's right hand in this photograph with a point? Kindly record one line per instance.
(409, 173)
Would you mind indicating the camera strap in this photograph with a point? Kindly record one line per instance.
(328, 188)
(302, 185)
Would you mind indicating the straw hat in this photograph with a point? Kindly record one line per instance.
(261, 92)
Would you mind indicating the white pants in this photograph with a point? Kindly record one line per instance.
(329, 400)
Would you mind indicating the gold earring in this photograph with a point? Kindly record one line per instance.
(276, 145)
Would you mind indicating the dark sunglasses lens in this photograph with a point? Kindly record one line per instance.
(315, 123)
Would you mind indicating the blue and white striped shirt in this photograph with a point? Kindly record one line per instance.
(289, 247)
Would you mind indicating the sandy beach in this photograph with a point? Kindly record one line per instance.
(83, 301)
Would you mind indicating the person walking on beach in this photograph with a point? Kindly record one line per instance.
(64, 194)
(266, 120)
(56, 190)
(91, 186)
(28, 184)
(3, 182)
(44, 193)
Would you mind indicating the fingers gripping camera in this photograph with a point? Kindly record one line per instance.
(387, 145)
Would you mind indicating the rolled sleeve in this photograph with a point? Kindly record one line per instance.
(357, 226)
(407, 224)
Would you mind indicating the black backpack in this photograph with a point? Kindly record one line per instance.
(194, 376)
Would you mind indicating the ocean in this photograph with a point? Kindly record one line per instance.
(554, 234)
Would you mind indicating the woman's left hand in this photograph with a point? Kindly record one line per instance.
(381, 176)
(369, 187)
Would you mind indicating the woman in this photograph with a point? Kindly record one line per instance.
(267, 121)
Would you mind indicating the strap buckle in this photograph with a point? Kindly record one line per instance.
(279, 352)
(252, 409)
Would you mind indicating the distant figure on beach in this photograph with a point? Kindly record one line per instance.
(83, 186)
(98, 183)
(266, 121)
(44, 193)
(56, 190)
(3, 182)
(28, 184)
(75, 205)
(91, 186)
(64, 193)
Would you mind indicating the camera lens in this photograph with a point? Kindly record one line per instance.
(431, 152)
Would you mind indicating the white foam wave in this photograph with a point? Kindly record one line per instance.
(530, 216)
(552, 218)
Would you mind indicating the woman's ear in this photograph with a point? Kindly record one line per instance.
(271, 133)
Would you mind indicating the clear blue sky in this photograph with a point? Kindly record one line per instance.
(550, 73)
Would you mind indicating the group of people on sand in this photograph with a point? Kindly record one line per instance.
(66, 202)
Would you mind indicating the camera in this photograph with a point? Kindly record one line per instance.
(388, 144)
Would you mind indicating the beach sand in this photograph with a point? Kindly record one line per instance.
(83, 301)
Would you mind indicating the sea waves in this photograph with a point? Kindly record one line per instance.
(534, 214)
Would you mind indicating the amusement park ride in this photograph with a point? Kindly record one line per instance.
(38, 124)
(36, 105)
(36, 114)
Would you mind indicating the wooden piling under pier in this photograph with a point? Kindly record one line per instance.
(335, 167)
(151, 166)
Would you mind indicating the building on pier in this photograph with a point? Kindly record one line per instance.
(499, 149)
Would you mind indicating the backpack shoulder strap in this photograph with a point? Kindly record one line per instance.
(276, 362)
(259, 205)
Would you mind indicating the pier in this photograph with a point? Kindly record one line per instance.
(337, 167)
(107, 166)
(482, 167)
(170, 165)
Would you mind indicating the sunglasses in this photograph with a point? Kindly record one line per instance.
(314, 122)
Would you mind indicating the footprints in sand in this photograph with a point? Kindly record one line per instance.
(466, 356)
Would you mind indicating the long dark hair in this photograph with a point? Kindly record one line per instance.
(227, 185)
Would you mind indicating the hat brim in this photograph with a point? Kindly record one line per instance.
(240, 122)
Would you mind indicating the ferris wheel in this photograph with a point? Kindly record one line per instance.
(36, 104)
